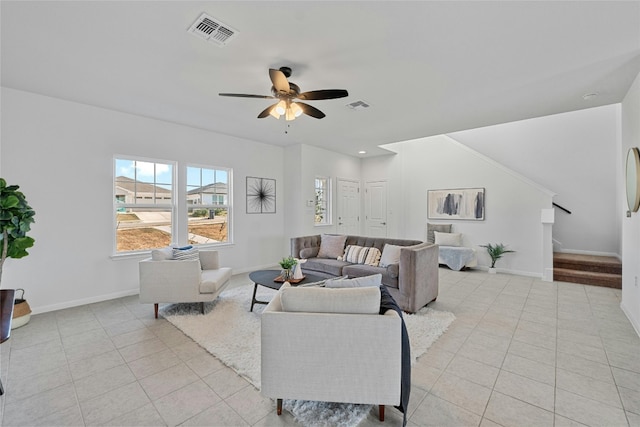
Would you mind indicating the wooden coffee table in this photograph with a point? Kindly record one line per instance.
(267, 278)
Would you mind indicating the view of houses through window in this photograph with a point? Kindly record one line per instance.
(208, 205)
(145, 205)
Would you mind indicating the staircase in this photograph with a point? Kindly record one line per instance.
(593, 270)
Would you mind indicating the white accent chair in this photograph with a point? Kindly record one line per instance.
(176, 281)
(316, 354)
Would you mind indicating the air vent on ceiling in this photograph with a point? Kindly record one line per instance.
(358, 105)
(213, 30)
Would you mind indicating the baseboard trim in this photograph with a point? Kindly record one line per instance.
(84, 301)
(633, 322)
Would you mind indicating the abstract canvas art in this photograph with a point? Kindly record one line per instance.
(261, 195)
(461, 203)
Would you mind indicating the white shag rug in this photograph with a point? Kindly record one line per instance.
(231, 332)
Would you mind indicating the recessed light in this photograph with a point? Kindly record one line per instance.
(588, 96)
(362, 152)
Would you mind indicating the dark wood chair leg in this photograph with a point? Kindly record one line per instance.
(381, 413)
(1, 388)
(155, 309)
(279, 406)
(202, 307)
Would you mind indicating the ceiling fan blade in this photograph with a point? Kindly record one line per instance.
(323, 94)
(311, 111)
(267, 111)
(244, 95)
(279, 80)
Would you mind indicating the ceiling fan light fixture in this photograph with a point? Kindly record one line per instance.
(274, 113)
(297, 111)
(281, 107)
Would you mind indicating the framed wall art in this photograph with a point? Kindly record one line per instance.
(261, 195)
(460, 203)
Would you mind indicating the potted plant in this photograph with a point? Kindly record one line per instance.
(495, 252)
(287, 265)
(16, 217)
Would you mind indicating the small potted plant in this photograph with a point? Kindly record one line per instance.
(495, 252)
(287, 265)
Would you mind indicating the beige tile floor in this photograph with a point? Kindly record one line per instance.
(521, 353)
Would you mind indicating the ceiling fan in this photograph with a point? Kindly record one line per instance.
(288, 92)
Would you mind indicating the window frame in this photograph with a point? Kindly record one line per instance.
(328, 217)
(171, 207)
(228, 205)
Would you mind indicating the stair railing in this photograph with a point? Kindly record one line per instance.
(561, 208)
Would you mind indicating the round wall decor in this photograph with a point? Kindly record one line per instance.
(633, 179)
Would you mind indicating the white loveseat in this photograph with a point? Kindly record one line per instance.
(316, 349)
(165, 280)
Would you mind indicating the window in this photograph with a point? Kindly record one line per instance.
(143, 204)
(323, 201)
(208, 206)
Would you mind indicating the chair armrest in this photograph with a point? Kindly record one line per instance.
(209, 260)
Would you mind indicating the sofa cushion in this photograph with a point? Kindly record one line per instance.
(324, 300)
(355, 282)
(332, 267)
(212, 280)
(390, 255)
(443, 228)
(361, 255)
(162, 254)
(393, 270)
(360, 270)
(331, 246)
(309, 252)
(448, 239)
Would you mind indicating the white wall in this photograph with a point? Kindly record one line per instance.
(513, 203)
(303, 164)
(573, 154)
(60, 153)
(631, 226)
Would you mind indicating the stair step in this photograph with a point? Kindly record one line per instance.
(593, 263)
(607, 280)
(587, 269)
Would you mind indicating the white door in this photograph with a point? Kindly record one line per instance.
(375, 208)
(348, 207)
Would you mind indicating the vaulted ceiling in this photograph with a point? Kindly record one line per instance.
(424, 67)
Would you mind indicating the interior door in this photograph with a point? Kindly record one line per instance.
(348, 207)
(375, 208)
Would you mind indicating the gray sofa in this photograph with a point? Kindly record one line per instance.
(413, 282)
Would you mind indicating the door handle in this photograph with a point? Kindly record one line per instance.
(383, 223)
(339, 223)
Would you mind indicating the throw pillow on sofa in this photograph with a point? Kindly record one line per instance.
(356, 282)
(390, 255)
(442, 228)
(331, 246)
(448, 239)
(309, 253)
(361, 255)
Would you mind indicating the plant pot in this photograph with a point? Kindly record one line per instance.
(21, 311)
(492, 270)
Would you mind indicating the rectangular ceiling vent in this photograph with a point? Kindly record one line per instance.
(213, 30)
(358, 105)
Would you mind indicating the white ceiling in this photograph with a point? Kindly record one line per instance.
(426, 67)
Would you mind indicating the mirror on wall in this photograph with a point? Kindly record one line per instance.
(633, 179)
